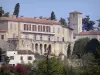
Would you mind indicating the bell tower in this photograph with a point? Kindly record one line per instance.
(75, 19)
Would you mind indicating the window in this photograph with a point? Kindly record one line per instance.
(29, 27)
(39, 29)
(25, 27)
(63, 39)
(21, 58)
(29, 58)
(40, 37)
(34, 28)
(53, 29)
(57, 38)
(43, 28)
(47, 28)
(11, 57)
(2, 37)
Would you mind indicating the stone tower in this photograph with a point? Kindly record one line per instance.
(75, 19)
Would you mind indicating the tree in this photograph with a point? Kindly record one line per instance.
(79, 47)
(53, 17)
(68, 51)
(98, 24)
(87, 23)
(1, 54)
(55, 67)
(6, 14)
(16, 10)
(63, 21)
(1, 12)
(92, 46)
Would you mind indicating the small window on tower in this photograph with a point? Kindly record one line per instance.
(2, 37)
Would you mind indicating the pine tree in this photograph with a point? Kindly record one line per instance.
(53, 17)
(1, 12)
(87, 23)
(16, 10)
(63, 21)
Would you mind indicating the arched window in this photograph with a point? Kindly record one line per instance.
(36, 47)
(45, 48)
(41, 48)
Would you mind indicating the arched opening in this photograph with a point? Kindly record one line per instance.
(41, 48)
(36, 47)
(45, 47)
(49, 48)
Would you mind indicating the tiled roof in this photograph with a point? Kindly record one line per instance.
(92, 32)
(25, 52)
(33, 20)
(3, 31)
(75, 12)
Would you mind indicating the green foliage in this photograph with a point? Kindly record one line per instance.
(92, 45)
(88, 59)
(5, 73)
(68, 51)
(87, 23)
(79, 47)
(1, 11)
(6, 14)
(63, 21)
(53, 17)
(68, 70)
(54, 67)
(16, 10)
(98, 24)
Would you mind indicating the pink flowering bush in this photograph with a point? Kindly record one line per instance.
(20, 69)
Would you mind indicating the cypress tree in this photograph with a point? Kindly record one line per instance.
(16, 10)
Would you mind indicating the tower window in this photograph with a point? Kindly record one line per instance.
(2, 37)
(63, 39)
(57, 38)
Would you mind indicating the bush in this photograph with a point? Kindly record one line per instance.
(20, 69)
